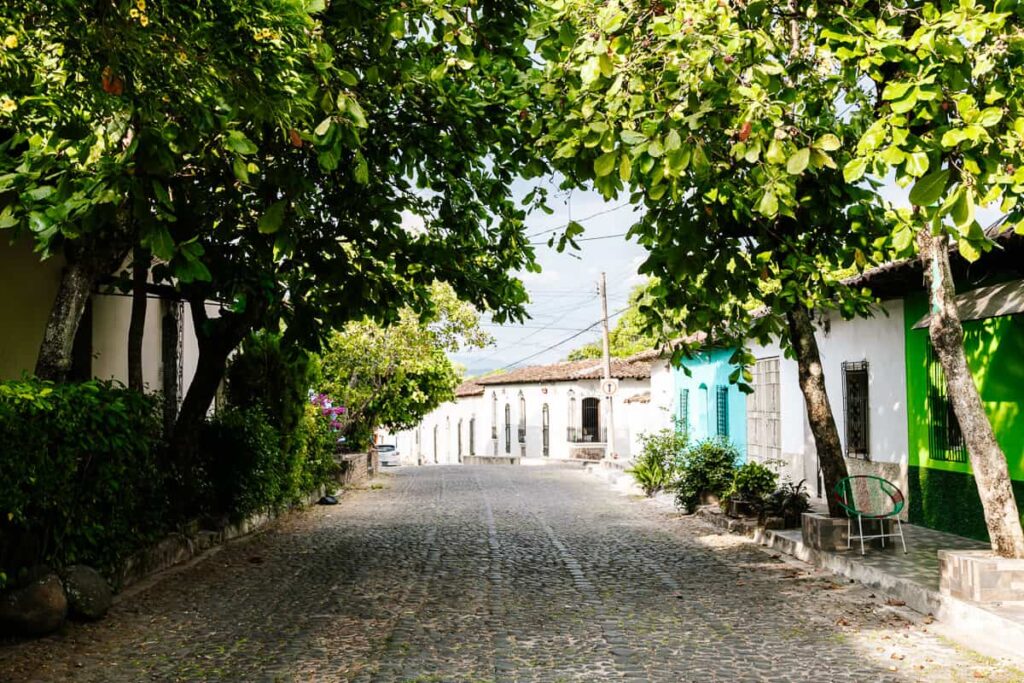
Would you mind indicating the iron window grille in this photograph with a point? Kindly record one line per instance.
(508, 428)
(545, 430)
(722, 409)
(683, 417)
(945, 440)
(472, 436)
(856, 409)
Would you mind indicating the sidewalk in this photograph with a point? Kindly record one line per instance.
(994, 629)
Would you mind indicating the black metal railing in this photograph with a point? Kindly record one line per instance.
(586, 435)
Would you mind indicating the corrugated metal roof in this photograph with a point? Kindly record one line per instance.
(986, 302)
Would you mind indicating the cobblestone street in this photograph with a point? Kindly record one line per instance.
(497, 574)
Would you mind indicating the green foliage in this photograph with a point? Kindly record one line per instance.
(732, 137)
(707, 468)
(752, 483)
(393, 376)
(81, 479)
(656, 466)
(789, 501)
(265, 375)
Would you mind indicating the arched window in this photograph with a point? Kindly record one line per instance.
(472, 435)
(435, 444)
(508, 428)
(522, 418)
(573, 437)
(459, 438)
(545, 432)
(494, 415)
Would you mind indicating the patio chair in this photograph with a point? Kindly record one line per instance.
(868, 497)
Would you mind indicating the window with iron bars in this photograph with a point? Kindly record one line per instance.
(682, 416)
(722, 409)
(945, 440)
(856, 409)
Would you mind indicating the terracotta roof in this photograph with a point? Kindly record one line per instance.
(569, 371)
(639, 398)
(468, 388)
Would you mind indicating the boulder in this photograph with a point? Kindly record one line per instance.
(89, 594)
(35, 608)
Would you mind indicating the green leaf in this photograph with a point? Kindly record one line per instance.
(240, 170)
(396, 26)
(159, 241)
(776, 152)
(237, 142)
(798, 162)
(928, 189)
(625, 169)
(917, 164)
(967, 249)
(895, 91)
(632, 137)
(672, 141)
(605, 164)
(769, 204)
(362, 169)
(828, 143)
(657, 192)
(348, 78)
(989, 117)
(962, 211)
(902, 239)
(270, 222)
(322, 127)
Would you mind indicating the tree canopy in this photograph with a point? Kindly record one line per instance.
(628, 336)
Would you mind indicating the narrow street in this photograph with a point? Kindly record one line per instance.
(496, 574)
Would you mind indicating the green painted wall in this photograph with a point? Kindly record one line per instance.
(943, 494)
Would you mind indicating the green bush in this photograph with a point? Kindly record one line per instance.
(708, 467)
(753, 483)
(659, 458)
(82, 479)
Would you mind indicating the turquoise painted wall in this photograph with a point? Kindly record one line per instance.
(709, 370)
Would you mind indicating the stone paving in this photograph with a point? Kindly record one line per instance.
(473, 574)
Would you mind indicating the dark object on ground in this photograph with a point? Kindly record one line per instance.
(327, 500)
(89, 595)
(36, 608)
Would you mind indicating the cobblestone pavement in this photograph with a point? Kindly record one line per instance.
(497, 574)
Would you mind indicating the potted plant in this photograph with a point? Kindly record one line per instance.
(784, 506)
(752, 484)
(706, 472)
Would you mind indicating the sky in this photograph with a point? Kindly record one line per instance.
(563, 296)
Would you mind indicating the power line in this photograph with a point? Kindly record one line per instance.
(567, 339)
(579, 220)
(587, 239)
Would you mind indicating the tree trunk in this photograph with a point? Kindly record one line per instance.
(86, 263)
(217, 338)
(137, 326)
(987, 459)
(819, 410)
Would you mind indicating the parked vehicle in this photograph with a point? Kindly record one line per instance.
(389, 455)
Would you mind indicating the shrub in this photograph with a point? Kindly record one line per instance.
(241, 464)
(789, 501)
(753, 483)
(655, 468)
(81, 480)
(708, 467)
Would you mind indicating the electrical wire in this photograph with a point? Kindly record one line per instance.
(580, 220)
(563, 341)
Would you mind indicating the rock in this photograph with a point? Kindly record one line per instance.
(34, 609)
(89, 594)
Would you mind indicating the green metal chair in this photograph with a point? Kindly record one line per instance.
(868, 497)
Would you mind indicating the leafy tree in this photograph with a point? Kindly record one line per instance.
(393, 376)
(104, 104)
(722, 119)
(629, 335)
(947, 119)
(408, 161)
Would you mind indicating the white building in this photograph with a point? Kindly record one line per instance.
(549, 411)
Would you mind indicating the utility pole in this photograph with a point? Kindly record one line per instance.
(606, 356)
